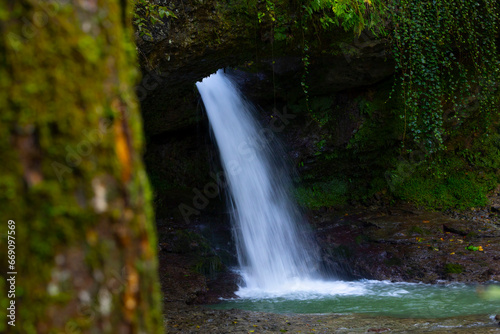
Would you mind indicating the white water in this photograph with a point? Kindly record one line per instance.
(274, 251)
(278, 261)
(415, 300)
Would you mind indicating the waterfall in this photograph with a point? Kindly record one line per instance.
(273, 246)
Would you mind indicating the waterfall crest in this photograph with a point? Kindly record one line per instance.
(273, 245)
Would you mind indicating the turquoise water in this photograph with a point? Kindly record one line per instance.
(368, 297)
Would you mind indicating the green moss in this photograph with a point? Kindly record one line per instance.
(418, 230)
(471, 235)
(209, 266)
(442, 193)
(64, 95)
(453, 268)
(359, 165)
(460, 178)
(321, 109)
(332, 193)
(373, 162)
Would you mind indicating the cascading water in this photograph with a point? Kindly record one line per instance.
(278, 260)
(273, 247)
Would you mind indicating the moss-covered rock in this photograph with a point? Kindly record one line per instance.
(453, 268)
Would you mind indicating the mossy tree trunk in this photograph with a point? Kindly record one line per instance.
(71, 175)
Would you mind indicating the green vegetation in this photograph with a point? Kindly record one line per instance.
(446, 52)
(430, 136)
(418, 230)
(447, 102)
(361, 163)
(454, 179)
(331, 193)
(209, 266)
(459, 177)
(453, 268)
(147, 15)
(443, 193)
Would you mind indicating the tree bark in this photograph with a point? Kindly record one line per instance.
(71, 171)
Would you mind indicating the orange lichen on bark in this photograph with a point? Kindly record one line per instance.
(123, 151)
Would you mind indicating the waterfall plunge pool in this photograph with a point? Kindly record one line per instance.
(404, 300)
(273, 244)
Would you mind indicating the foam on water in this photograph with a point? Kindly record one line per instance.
(415, 300)
(303, 289)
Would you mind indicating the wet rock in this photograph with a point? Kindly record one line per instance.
(191, 269)
(195, 319)
(400, 245)
(223, 286)
(453, 230)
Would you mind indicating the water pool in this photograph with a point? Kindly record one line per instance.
(415, 300)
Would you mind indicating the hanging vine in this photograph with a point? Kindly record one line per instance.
(351, 15)
(446, 52)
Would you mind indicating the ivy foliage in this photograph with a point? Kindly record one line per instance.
(447, 55)
(445, 50)
(352, 15)
(147, 14)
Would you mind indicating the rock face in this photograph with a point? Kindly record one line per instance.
(194, 261)
(183, 51)
(178, 144)
(403, 244)
(206, 36)
(345, 126)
